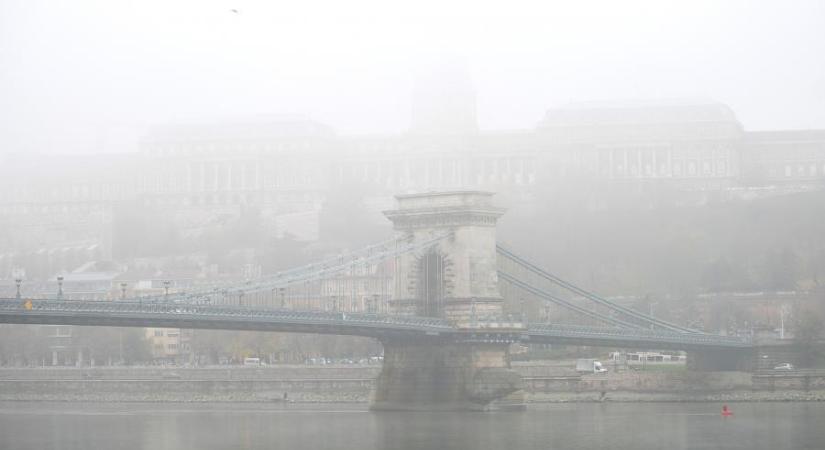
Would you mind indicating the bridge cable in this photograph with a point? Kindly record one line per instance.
(564, 303)
(314, 272)
(591, 296)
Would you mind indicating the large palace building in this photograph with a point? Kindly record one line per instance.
(284, 166)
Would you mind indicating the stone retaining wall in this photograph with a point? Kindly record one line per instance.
(192, 373)
(307, 390)
(355, 384)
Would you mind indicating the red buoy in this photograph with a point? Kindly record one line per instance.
(726, 412)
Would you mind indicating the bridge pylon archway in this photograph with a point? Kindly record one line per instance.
(455, 279)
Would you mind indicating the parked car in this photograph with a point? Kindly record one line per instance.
(784, 366)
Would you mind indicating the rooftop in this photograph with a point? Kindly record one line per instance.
(785, 136)
(638, 112)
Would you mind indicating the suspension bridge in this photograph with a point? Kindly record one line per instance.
(440, 295)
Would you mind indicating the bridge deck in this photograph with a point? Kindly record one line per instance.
(136, 313)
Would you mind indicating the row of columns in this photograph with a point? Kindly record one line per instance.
(218, 176)
(619, 162)
(439, 172)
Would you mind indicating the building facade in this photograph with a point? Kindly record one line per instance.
(59, 211)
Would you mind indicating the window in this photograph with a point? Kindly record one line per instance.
(158, 333)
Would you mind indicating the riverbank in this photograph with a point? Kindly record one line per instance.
(543, 383)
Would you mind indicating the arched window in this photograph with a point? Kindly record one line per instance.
(430, 288)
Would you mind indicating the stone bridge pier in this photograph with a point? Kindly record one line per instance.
(455, 280)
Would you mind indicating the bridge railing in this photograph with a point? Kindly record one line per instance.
(166, 310)
(161, 309)
(572, 331)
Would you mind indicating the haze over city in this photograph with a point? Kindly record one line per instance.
(360, 225)
(90, 76)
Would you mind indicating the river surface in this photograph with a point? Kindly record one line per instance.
(615, 426)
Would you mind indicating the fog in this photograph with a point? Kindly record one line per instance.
(89, 76)
(218, 215)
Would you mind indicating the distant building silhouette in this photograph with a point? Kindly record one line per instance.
(58, 210)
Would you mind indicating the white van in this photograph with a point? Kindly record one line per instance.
(252, 361)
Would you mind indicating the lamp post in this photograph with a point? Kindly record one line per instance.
(120, 330)
(166, 284)
(60, 287)
(783, 312)
(18, 282)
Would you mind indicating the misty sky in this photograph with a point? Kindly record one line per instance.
(88, 76)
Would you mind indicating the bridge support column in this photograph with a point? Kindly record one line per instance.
(712, 360)
(439, 375)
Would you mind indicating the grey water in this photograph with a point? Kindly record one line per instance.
(616, 426)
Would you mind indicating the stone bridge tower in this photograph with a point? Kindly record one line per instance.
(456, 280)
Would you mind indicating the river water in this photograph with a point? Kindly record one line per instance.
(615, 426)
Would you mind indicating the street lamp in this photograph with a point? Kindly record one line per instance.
(166, 284)
(783, 312)
(60, 287)
(120, 330)
(17, 282)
